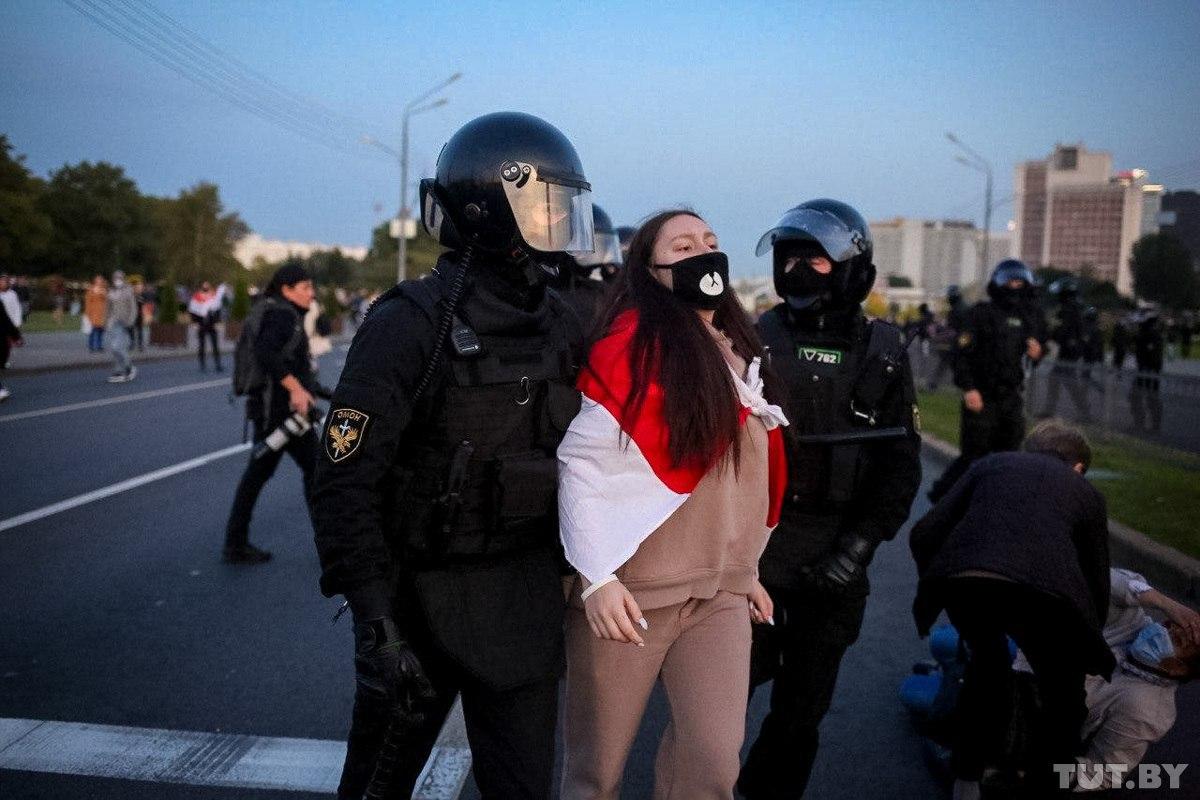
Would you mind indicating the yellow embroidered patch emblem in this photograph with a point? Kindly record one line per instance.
(344, 433)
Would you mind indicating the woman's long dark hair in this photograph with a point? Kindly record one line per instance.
(699, 398)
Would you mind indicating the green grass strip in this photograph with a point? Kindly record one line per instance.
(1156, 489)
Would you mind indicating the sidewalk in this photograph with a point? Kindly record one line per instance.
(61, 350)
(46, 352)
(1167, 569)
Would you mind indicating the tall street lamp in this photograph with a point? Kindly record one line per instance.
(979, 164)
(415, 106)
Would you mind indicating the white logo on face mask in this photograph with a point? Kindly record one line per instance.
(712, 285)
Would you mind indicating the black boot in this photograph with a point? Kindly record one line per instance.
(245, 554)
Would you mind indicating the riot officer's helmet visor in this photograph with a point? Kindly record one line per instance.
(839, 241)
(553, 210)
(608, 251)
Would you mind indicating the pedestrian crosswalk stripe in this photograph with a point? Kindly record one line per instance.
(207, 759)
(108, 401)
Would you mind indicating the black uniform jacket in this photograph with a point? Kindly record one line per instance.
(821, 370)
(990, 351)
(278, 327)
(1031, 519)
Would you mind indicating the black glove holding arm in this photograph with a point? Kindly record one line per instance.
(384, 663)
(845, 566)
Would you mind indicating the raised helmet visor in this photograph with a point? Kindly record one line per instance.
(841, 242)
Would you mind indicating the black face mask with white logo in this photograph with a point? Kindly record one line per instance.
(700, 281)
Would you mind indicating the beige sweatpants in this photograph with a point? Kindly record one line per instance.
(701, 650)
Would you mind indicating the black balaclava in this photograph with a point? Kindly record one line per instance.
(813, 300)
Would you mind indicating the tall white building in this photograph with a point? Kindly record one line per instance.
(933, 254)
(1074, 213)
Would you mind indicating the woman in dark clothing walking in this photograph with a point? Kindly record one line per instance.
(288, 386)
(1019, 548)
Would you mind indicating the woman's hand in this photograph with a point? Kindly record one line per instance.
(614, 614)
(762, 608)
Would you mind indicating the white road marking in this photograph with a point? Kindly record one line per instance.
(122, 486)
(108, 401)
(211, 759)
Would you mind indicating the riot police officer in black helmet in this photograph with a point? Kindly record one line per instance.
(435, 502)
(625, 236)
(853, 470)
(1070, 336)
(989, 367)
(574, 281)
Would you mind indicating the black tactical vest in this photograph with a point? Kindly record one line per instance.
(476, 473)
(836, 388)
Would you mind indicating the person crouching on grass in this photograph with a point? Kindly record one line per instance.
(1019, 548)
(670, 480)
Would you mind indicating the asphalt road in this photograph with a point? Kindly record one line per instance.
(118, 612)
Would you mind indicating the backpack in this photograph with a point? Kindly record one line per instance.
(248, 376)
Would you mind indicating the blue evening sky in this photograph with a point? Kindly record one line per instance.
(739, 109)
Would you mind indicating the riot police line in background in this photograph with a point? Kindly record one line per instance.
(853, 471)
(435, 500)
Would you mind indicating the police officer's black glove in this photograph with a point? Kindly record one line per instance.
(386, 667)
(845, 567)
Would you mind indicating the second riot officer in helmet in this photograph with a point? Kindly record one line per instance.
(435, 504)
(575, 280)
(989, 367)
(853, 470)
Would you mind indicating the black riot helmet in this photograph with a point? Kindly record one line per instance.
(954, 294)
(821, 227)
(1010, 269)
(624, 235)
(607, 252)
(512, 183)
(1065, 289)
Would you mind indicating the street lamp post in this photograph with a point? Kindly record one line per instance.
(412, 108)
(979, 164)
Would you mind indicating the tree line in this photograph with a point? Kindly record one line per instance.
(90, 218)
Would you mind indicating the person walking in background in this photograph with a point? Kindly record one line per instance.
(121, 314)
(205, 310)
(317, 329)
(138, 331)
(11, 301)
(95, 312)
(1018, 548)
(1148, 350)
(1120, 341)
(281, 385)
(10, 334)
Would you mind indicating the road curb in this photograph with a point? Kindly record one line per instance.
(137, 358)
(1166, 568)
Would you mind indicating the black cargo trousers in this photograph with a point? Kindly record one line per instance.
(511, 730)
(802, 653)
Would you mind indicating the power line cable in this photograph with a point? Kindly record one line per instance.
(238, 70)
(203, 76)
